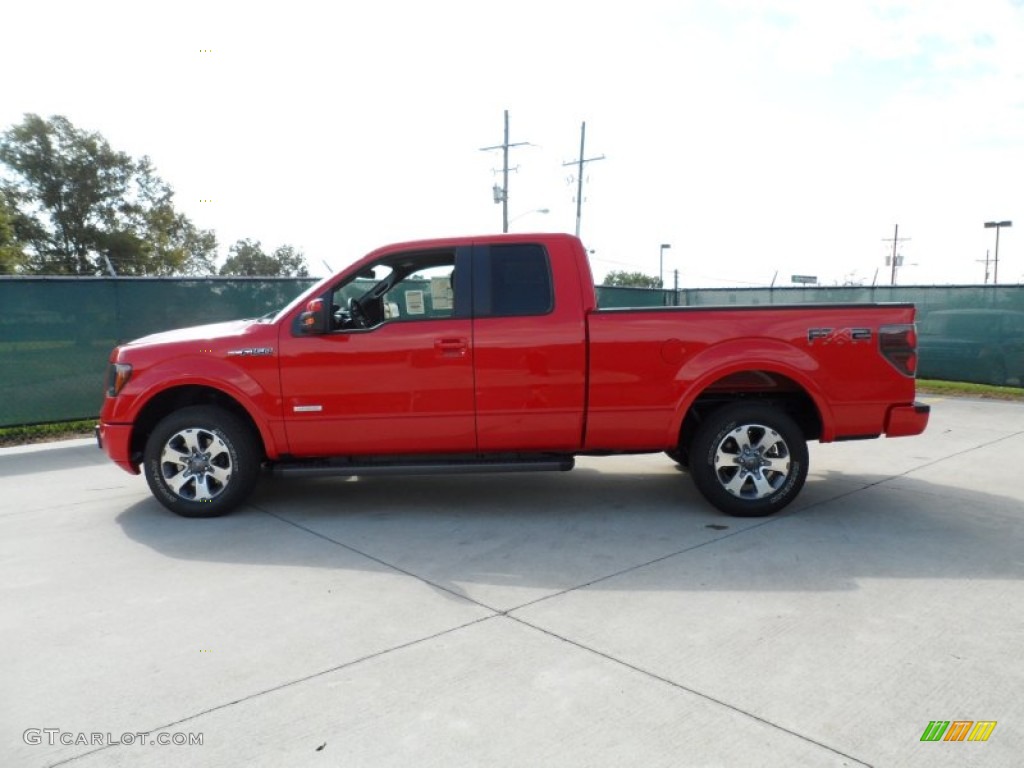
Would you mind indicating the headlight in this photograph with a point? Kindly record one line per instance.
(117, 376)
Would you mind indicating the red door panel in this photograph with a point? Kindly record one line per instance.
(401, 388)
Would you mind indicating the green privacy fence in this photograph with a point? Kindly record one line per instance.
(56, 333)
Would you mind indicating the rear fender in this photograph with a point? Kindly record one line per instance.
(715, 363)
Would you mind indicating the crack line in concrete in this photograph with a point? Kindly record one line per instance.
(377, 560)
(506, 613)
(933, 462)
(692, 691)
(282, 686)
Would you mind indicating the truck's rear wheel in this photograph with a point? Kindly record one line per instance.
(201, 461)
(749, 460)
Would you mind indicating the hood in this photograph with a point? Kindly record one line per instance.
(233, 328)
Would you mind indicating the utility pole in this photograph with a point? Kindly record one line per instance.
(986, 262)
(501, 194)
(895, 260)
(579, 173)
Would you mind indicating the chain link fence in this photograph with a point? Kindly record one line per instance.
(56, 333)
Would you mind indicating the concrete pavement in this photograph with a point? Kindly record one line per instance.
(606, 616)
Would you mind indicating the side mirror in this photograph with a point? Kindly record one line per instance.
(312, 321)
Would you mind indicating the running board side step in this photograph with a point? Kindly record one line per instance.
(346, 468)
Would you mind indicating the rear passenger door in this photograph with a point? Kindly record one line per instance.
(529, 353)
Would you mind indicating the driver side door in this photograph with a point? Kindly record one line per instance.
(401, 385)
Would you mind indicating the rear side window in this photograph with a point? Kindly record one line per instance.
(517, 281)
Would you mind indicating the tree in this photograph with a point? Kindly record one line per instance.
(80, 203)
(247, 258)
(12, 256)
(631, 280)
(177, 246)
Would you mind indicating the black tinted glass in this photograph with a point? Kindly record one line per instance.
(520, 280)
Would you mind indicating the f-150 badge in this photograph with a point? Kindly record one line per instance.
(250, 352)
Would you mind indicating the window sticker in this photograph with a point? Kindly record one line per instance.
(441, 292)
(414, 303)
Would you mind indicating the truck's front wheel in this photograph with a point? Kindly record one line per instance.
(749, 460)
(201, 461)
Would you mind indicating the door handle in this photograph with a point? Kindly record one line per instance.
(451, 347)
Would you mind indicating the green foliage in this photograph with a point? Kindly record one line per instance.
(969, 389)
(631, 280)
(247, 258)
(12, 256)
(79, 203)
(178, 246)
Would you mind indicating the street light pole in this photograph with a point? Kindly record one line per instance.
(996, 225)
(661, 264)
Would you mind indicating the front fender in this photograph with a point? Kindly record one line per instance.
(255, 387)
(716, 362)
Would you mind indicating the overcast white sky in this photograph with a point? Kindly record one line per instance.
(754, 136)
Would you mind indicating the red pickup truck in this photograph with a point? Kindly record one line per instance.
(487, 354)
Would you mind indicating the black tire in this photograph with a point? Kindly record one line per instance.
(679, 456)
(201, 461)
(749, 460)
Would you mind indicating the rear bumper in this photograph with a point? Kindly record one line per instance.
(906, 420)
(115, 441)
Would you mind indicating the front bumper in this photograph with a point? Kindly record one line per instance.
(906, 420)
(115, 441)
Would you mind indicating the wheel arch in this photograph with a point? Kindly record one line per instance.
(174, 398)
(762, 381)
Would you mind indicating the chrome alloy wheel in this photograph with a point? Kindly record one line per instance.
(752, 461)
(196, 464)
